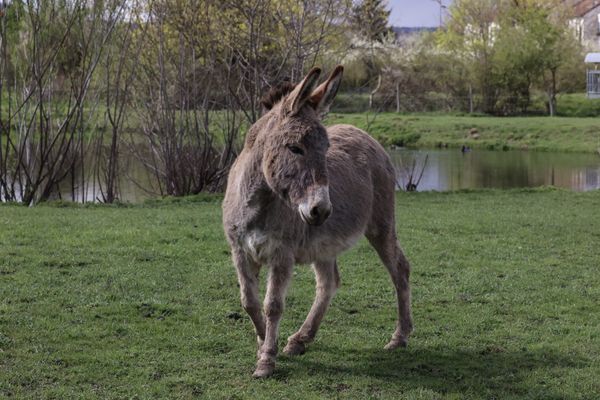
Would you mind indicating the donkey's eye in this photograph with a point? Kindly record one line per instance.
(296, 150)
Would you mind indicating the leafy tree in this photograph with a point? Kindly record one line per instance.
(11, 21)
(369, 22)
(370, 19)
(535, 46)
(509, 48)
(470, 35)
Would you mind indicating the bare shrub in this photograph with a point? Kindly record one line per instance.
(44, 111)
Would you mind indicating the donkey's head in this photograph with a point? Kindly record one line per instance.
(295, 146)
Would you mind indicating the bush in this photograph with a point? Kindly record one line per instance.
(405, 139)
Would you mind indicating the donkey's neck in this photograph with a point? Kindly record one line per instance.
(262, 206)
(254, 188)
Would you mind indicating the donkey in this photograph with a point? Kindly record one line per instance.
(301, 193)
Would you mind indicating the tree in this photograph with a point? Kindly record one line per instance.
(44, 105)
(470, 35)
(511, 47)
(535, 45)
(204, 67)
(370, 19)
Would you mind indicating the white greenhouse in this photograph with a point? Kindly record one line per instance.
(593, 75)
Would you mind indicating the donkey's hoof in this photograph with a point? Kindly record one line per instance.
(396, 342)
(264, 369)
(294, 348)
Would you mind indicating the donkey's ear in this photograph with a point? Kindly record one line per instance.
(323, 96)
(301, 93)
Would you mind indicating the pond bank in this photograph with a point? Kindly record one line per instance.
(493, 133)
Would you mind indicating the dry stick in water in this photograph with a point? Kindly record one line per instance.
(412, 185)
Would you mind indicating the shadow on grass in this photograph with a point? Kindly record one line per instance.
(491, 372)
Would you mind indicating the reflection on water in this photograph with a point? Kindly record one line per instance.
(451, 169)
(447, 169)
(135, 183)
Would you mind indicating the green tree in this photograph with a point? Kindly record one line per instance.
(370, 18)
(470, 35)
(369, 22)
(535, 48)
(510, 48)
(11, 22)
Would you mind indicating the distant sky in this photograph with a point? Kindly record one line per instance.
(415, 12)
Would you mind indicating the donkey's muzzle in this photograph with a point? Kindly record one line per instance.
(317, 208)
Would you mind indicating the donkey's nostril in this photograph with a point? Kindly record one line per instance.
(319, 214)
(314, 212)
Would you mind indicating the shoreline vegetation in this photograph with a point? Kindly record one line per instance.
(576, 128)
(430, 130)
(141, 300)
(439, 129)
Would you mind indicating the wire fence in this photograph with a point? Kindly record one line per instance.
(568, 104)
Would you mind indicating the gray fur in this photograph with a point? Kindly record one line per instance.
(282, 208)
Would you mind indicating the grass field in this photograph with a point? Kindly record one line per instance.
(141, 302)
(431, 130)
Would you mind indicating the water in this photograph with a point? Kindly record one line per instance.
(135, 183)
(451, 169)
(446, 169)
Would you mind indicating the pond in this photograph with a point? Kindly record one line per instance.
(453, 169)
(446, 169)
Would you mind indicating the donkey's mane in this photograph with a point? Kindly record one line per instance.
(276, 93)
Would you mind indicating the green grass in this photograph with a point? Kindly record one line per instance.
(141, 302)
(575, 105)
(431, 130)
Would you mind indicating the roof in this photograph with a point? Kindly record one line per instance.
(582, 7)
(592, 58)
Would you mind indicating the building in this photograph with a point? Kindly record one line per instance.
(592, 60)
(586, 22)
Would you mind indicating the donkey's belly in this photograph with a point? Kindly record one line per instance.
(265, 248)
(325, 248)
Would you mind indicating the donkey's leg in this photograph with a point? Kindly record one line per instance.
(327, 282)
(247, 272)
(398, 266)
(279, 278)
